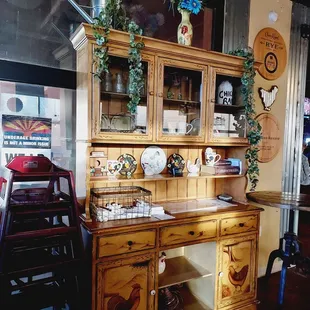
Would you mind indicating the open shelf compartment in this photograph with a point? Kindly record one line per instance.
(192, 269)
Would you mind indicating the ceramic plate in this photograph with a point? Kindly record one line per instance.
(153, 160)
(129, 164)
(105, 122)
(175, 161)
(196, 127)
(121, 122)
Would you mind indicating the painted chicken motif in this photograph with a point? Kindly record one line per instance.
(237, 278)
(117, 302)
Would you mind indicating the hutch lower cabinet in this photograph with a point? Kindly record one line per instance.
(210, 257)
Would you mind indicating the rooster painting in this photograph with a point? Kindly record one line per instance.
(268, 96)
(117, 302)
(237, 278)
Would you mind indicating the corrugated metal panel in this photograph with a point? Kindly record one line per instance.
(236, 25)
(294, 121)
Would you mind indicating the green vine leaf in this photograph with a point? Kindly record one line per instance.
(254, 132)
(114, 16)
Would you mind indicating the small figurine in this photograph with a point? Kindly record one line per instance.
(102, 169)
(92, 171)
(162, 263)
(193, 168)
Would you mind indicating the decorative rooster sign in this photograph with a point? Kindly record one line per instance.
(268, 96)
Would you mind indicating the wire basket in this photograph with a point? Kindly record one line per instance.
(121, 202)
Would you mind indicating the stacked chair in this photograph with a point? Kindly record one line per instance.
(41, 249)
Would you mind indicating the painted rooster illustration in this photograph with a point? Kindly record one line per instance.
(237, 278)
(118, 302)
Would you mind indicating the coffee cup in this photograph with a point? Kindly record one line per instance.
(184, 128)
(212, 158)
(114, 167)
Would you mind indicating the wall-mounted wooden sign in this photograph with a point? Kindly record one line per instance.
(271, 137)
(270, 49)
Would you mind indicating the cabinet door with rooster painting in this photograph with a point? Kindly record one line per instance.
(126, 284)
(237, 270)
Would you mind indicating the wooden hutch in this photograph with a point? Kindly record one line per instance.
(212, 252)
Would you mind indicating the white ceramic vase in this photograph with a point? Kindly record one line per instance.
(185, 29)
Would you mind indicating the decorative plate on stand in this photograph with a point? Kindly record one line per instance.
(129, 164)
(175, 164)
(153, 160)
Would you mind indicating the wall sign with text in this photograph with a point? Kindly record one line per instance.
(26, 132)
(270, 143)
(270, 49)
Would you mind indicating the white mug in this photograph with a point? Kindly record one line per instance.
(184, 128)
(114, 167)
(212, 158)
(172, 127)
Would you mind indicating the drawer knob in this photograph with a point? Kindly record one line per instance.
(153, 292)
(130, 243)
(192, 233)
(221, 273)
(241, 224)
(151, 93)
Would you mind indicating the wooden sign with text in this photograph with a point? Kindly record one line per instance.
(271, 137)
(270, 49)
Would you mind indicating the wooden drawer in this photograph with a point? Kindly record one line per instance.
(237, 225)
(126, 243)
(186, 233)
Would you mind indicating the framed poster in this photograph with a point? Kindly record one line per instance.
(270, 49)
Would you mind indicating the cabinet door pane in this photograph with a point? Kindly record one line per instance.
(229, 121)
(180, 101)
(114, 98)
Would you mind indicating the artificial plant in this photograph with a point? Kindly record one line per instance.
(114, 16)
(254, 128)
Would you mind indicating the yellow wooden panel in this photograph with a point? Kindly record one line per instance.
(210, 188)
(192, 188)
(172, 193)
(219, 188)
(238, 225)
(114, 152)
(201, 188)
(161, 194)
(126, 149)
(182, 189)
(151, 186)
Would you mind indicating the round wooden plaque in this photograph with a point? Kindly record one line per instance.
(270, 49)
(271, 137)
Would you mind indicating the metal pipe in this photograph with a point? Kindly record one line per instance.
(81, 12)
(97, 7)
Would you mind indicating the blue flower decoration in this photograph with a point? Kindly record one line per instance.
(194, 6)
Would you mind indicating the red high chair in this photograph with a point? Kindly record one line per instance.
(41, 246)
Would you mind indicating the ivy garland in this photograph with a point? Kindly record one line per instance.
(254, 128)
(114, 16)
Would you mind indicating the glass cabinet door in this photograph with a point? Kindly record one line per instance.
(112, 118)
(181, 101)
(228, 123)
